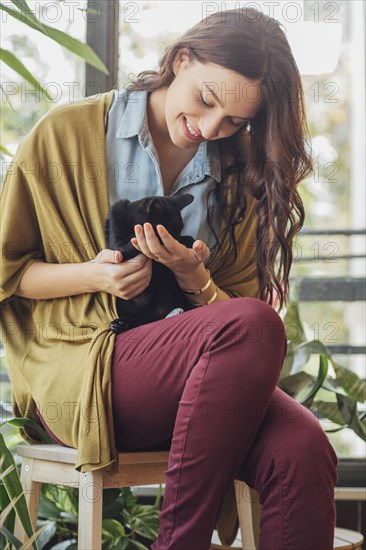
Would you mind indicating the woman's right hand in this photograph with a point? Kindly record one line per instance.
(122, 279)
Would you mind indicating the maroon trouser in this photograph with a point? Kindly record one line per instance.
(203, 383)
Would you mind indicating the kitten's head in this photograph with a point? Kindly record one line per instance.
(124, 215)
(164, 211)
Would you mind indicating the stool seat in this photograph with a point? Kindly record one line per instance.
(345, 539)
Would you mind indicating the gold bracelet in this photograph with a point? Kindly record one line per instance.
(209, 301)
(199, 290)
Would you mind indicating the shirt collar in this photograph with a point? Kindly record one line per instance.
(134, 119)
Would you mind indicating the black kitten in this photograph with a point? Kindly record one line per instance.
(163, 293)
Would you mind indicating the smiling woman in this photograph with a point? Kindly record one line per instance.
(182, 128)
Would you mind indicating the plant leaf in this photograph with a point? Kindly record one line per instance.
(5, 151)
(33, 538)
(47, 535)
(73, 44)
(113, 529)
(64, 497)
(15, 542)
(4, 501)
(348, 409)
(294, 327)
(322, 373)
(14, 488)
(350, 382)
(137, 545)
(302, 352)
(32, 424)
(25, 9)
(6, 511)
(295, 383)
(13, 62)
(288, 361)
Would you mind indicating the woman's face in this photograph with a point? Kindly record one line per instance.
(207, 102)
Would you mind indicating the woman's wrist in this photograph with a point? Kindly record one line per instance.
(198, 286)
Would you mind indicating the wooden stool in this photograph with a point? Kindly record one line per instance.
(345, 539)
(56, 464)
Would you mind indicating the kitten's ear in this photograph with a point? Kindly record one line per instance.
(155, 206)
(182, 200)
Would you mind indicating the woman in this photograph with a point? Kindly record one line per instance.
(222, 119)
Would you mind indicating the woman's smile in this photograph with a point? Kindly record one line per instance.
(191, 133)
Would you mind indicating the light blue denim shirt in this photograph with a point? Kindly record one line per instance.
(133, 167)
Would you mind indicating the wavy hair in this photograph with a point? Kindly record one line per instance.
(269, 156)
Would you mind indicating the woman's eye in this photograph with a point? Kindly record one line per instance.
(201, 100)
(239, 124)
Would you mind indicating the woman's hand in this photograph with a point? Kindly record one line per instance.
(122, 279)
(171, 253)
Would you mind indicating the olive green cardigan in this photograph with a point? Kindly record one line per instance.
(59, 351)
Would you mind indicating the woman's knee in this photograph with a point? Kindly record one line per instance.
(255, 322)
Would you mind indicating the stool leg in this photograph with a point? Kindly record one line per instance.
(90, 510)
(31, 492)
(249, 510)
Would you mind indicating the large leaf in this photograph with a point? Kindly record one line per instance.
(64, 497)
(10, 537)
(288, 361)
(300, 354)
(294, 328)
(5, 151)
(5, 501)
(348, 409)
(47, 508)
(328, 410)
(135, 544)
(145, 521)
(50, 529)
(7, 510)
(127, 499)
(350, 382)
(113, 534)
(322, 373)
(75, 46)
(30, 423)
(13, 62)
(33, 538)
(296, 383)
(14, 488)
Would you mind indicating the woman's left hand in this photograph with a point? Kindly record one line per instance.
(171, 253)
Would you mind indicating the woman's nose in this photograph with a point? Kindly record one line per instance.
(210, 127)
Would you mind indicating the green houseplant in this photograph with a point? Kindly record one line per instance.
(344, 393)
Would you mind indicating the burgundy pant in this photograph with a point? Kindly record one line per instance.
(203, 384)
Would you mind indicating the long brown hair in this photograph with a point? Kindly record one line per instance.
(270, 156)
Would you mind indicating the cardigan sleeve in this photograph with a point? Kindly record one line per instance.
(20, 233)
